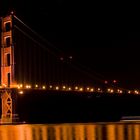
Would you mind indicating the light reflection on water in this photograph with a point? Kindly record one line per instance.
(95, 131)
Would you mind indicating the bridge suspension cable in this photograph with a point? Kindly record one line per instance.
(38, 35)
(75, 66)
(41, 45)
(44, 47)
(99, 77)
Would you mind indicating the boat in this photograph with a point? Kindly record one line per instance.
(130, 118)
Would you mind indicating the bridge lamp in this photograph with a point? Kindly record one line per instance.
(108, 89)
(136, 92)
(27, 86)
(81, 89)
(21, 92)
(87, 88)
(12, 12)
(69, 88)
(36, 86)
(120, 91)
(19, 86)
(76, 88)
(4, 85)
(64, 87)
(43, 87)
(129, 91)
(111, 90)
(98, 89)
(91, 90)
(114, 81)
(57, 88)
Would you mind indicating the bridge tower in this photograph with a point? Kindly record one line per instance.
(7, 68)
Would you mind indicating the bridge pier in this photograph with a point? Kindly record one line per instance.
(8, 103)
(6, 98)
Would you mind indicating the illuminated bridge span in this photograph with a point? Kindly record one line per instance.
(27, 63)
(77, 89)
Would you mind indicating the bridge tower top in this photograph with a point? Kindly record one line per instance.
(7, 52)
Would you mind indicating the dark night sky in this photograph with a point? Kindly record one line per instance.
(103, 36)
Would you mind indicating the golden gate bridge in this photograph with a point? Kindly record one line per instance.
(27, 64)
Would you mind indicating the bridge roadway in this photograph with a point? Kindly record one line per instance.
(55, 106)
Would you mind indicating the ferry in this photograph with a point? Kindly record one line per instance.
(130, 118)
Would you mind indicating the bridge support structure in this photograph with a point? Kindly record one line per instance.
(7, 69)
(7, 106)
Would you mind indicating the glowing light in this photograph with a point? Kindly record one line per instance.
(76, 88)
(36, 86)
(64, 87)
(81, 89)
(87, 88)
(111, 90)
(21, 92)
(129, 91)
(114, 81)
(99, 89)
(61, 58)
(91, 89)
(121, 91)
(106, 82)
(136, 92)
(57, 88)
(12, 12)
(4, 85)
(69, 88)
(21, 85)
(28, 86)
(108, 89)
(50, 86)
(43, 87)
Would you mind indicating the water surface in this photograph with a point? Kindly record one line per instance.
(88, 131)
